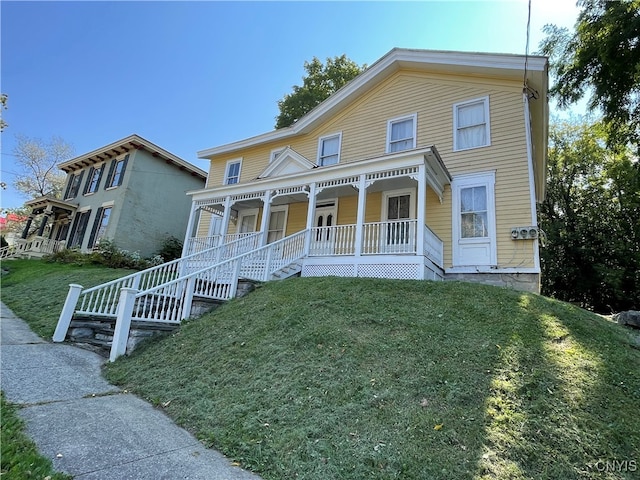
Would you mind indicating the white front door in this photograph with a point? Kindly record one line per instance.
(397, 235)
(277, 223)
(474, 224)
(323, 239)
(247, 220)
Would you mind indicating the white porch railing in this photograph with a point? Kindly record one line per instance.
(335, 240)
(171, 301)
(197, 244)
(389, 237)
(102, 300)
(433, 247)
(7, 251)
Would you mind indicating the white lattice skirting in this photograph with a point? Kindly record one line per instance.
(373, 270)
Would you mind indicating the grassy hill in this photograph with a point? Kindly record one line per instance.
(359, 378)
(333, 378)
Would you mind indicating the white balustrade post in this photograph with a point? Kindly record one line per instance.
(310, 216)
(123, 323)
(188, 236)
(362, 201)
(188, 297)
(235, 278)
(422, 207)
(226, 218)
(267, 266)
(264, 223)
(67, 312)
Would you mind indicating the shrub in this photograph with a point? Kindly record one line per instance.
(171, 249)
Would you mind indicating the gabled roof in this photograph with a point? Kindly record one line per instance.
(288, 161)
(127, 144)
(437, 61)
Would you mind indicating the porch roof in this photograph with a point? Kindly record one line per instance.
(386, 166)
(42, 203)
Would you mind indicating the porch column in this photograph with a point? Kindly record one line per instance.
(310, 213)
(264, 223)
(43, 224)
(422, 207)
(25, 232)
(362, 201)
(189, 232)
(225, 219)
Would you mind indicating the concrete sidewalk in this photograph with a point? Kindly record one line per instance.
(90, 428)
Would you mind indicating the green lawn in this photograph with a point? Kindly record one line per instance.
(333, 378)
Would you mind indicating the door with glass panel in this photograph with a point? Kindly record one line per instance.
(277, 224)
(324, 235)
(397, 233)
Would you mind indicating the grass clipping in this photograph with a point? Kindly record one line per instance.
(362, 378)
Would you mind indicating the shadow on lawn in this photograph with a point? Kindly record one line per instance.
(560, 400)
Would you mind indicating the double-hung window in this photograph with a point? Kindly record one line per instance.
(233, 172)
(401, 133)
(116, 172)
(100, 226)
(73, 186)
(329, 150)
(471, 127)
(93, 180)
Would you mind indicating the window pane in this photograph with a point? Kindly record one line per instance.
(471, 125)
(392, 208)
(401, 136)
(479, 198)
(402, 130)
(466, 199)
(404, 206)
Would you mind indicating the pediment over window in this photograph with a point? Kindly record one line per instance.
(287, 162)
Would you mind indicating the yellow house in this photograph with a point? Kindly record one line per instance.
(427, 165)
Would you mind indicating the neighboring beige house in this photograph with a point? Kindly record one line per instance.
(131, 191)
(427, 165)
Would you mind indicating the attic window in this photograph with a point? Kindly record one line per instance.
(329, 150)
(233, 172)
(471, 124)
(401, 133)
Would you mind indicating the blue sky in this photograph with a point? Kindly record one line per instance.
(192, 75)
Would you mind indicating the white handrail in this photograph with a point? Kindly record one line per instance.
(433, 247)
(103, 299)
(170, 302)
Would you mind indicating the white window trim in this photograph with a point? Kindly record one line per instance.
(487, 117)
(483, 179)
(390, 122)
(226, 170)
(320, 142)
(396, 193)
(245, 213)
(275, 152)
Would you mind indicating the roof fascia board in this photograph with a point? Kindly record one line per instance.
(134, 138)
(380, 70)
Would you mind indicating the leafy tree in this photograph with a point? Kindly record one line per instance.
(602, 56)
(590, 217)
(3, 106)
(37, 162)
(319, 83)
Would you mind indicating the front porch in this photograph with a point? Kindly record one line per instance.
(318, 203)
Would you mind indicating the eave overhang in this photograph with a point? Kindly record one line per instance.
(126, 145)
(479, 65)
(50, 203)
